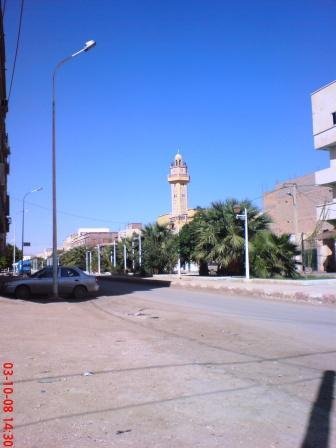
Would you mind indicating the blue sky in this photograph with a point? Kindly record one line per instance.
(227, 83)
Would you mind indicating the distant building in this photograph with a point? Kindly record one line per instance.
(292, 207)
(134, 228)
(178, 179)
(324, 132)
(89, 237)
(4, 148)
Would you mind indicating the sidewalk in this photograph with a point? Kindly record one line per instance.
(314, 291)
(321, 291)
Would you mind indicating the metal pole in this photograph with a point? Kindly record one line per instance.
(90, 262)
(114, 254)
(23, 216)
(88, 45)
(14, 246)
(140, 251)
(53, 174)
(87, 261)
(247, 261)
(98, 252)
(133, 262)
(125, 262)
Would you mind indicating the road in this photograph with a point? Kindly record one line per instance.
(143, 366)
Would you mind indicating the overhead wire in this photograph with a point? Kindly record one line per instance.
(16, 50)
(91, 218)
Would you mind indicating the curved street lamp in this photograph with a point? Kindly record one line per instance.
(23, 215)
(88, 45)
(243, 217)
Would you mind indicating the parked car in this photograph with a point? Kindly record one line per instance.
(72, 281)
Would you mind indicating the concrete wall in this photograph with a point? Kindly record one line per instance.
(323, 105)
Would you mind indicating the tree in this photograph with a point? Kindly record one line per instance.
(217, 236)
(74, 257)
(6, 260)
(273, 255)
(220, 235)
(160, 249)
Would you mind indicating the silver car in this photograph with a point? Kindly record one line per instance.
(71, 282)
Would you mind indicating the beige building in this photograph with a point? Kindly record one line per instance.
(4, 148)
(292, 207)
(134, 228)
(89, 237)
(178, 179)
(324, 132)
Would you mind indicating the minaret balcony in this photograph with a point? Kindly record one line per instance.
(176, 178)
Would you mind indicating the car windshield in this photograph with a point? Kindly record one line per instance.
(43, 273)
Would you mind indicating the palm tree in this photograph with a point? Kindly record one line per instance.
(160, 249)
(220, 236)
(273, 255)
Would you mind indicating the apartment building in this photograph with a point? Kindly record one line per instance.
(292, 207)
(324, 133)
(90, 237)
(4, 148)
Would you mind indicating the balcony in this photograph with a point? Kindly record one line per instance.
(326, 176)
(326, 212)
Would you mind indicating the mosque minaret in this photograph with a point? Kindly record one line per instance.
(178, 179)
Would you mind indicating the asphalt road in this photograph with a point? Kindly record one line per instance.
(147, 367)
(317, 323)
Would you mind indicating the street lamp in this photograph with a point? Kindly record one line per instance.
(243, 216)
(23, 214)
(88, 45)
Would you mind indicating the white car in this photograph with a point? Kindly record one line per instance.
(72, 281)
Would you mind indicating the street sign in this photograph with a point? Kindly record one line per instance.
(26, 244)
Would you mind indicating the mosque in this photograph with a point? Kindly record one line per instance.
(179, 179)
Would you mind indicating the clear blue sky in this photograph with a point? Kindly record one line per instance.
(227, 83)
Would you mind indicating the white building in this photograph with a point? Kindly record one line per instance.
(324, 132)
(89, 237)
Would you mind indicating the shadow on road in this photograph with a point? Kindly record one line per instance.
(318, 428)
(108, 287)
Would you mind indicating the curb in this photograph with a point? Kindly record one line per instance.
(257, 291)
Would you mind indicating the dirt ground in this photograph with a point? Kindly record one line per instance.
(123, 370)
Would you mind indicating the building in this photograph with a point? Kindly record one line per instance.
(90, 237)
(292, 208)
(134, 228)
(4, 148)
(324, 132)
(178, 179)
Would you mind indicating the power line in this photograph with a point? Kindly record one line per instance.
(17, 49)
(71, 214)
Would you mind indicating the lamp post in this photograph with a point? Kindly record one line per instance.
(88, 45)
(243, 216)
(23, 215)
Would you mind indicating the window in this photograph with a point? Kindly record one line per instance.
(334, 117)
(66, 272)
(46, 273)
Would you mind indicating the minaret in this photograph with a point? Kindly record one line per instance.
(179, 179)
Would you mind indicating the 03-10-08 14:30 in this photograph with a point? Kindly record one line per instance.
(8, 405)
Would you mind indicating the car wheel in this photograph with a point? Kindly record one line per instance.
(22, 292)
(80, 292)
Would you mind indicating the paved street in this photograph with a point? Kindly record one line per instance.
(144, 366)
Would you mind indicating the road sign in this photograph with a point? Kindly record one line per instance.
(26, 244)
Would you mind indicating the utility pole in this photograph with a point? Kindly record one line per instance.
(125, 261)
(140, 249)
(114, 254)
(98, 252)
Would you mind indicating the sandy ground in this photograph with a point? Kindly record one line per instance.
(123, 370)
